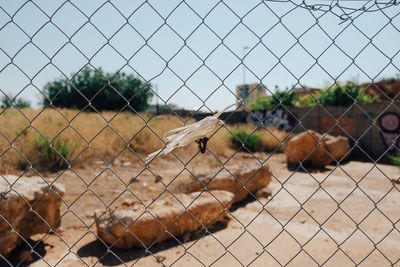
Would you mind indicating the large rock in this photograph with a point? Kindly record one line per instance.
(130, 224)
(338, 146)
(15, 209)
(314, 149)
(238, 179)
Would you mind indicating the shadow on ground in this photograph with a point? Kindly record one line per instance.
(306, 168)
(21, 256)
(120, 256)
(243, 203)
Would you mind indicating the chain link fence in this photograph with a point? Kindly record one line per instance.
(76, 189)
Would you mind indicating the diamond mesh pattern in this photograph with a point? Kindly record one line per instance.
(200, 48)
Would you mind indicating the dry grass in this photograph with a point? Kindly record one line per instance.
(271, 138)
(91, 137)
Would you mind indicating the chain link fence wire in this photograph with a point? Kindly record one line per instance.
(194, 54)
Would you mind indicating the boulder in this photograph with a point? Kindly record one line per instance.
(18, 196)
(338, 146)
(316, 150)
(131, 224)
(239, 179)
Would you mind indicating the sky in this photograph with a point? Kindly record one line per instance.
(192, 51)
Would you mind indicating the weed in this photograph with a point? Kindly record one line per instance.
(52, 156)
(241, 138)
(395, 160)
(214, 163)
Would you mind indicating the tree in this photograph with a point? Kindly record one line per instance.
(10, 101)
(104, 91)
(284, 98)
(288, 99)
(261, 103)
(308, 100)
(345, 95)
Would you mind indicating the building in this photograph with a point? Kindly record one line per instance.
(249, 93)
(305, 90)
(385, 90)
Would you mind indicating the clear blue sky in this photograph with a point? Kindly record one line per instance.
(222, 69)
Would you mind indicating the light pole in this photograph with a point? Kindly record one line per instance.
(156, 99)
(244, 68)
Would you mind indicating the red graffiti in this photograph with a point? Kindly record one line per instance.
(390, 122)
(390, 126)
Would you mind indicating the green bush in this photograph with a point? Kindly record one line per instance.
(241, 137)
(10, 101)
(338, 95)
(49, 158)
(307, 100)
(261, 103)
(345, 95)
(395, 160)
(287, 97)
(105, 91)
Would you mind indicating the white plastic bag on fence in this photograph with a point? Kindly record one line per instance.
(183, 136)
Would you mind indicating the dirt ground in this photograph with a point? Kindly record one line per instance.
(343, 215)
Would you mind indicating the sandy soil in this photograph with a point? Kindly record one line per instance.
(343, 215)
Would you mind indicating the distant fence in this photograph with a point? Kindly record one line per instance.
(376, 138)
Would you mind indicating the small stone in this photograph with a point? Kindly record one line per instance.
(264, 192)
(161, 258)
(89, 214)
(135, 208)
(59, 230)
(395, 181)
(126, 164)
(116, 191)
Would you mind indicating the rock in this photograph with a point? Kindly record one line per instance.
(126, 164)
(233, 179)
(15, 209)
(314, 149)
(130, 224)
(338, 146)
(304, 147)
(160, 259)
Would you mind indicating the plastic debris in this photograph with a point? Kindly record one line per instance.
(185, 135)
